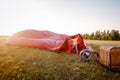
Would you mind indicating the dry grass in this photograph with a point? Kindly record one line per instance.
(95, 44)
(101, 42)
(22, 63)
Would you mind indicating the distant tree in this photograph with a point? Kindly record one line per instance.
(92, 36)
(119, 36)
(86, 36)
(108, 35)
(97, 35)
(105, 35)
(115, 35)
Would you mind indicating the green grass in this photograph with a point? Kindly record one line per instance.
(22, 63)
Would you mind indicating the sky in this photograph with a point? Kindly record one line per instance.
(60, 16)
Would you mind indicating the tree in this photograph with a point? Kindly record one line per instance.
(92, 36)
(115, 35)
(86, 36)
(97, 35)
(103, 35)
(109, 35)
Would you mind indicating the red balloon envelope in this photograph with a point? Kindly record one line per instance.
(45, 40)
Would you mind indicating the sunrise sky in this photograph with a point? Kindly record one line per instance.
(60, 16)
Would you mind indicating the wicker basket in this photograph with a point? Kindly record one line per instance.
(109, 55)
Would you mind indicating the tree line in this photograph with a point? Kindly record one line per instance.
(103, 35)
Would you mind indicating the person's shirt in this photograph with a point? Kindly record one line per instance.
(74, 41)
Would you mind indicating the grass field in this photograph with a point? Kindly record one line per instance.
(96, 43)
(101, 42)
(22, 63)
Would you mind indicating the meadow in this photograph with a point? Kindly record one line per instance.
(23, 63)
(95, 44)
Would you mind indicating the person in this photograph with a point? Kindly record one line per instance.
(74, 44)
